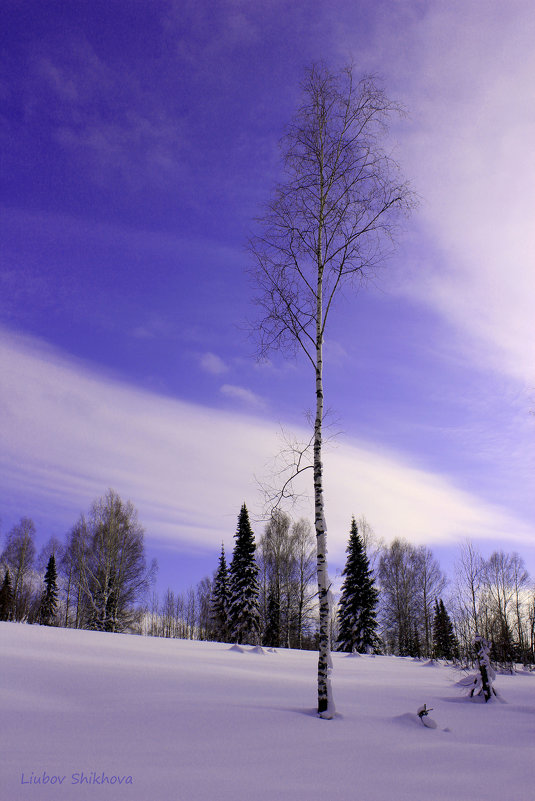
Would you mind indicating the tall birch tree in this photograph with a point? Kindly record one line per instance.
(329, 223)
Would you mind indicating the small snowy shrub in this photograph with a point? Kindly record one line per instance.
(484, 678)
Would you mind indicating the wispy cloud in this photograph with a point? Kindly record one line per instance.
(472, 157)
(153, 327)
(335, 352)
(243, 395)
(213, 364)
(104, 119)
(403, 499)
(465, 72)
(233, 22)
(68, 433)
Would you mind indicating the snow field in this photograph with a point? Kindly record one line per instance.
(192, 721)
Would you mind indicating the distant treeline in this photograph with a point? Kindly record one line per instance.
(393, 599)
(267, 594)
(96, 579)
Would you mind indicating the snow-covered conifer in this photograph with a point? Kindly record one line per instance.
(49, 601)
(244, 611)
(219, 606)
(358, 602)
(445, 645)
(6, 597)
(484, 679)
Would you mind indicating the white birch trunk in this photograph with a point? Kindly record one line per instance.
(326, 708)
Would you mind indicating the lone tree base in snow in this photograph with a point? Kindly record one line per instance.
(423, 714)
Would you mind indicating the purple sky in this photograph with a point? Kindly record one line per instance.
(139, 140)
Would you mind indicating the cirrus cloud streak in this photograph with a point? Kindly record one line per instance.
(69, 433)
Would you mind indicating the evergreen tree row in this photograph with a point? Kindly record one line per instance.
(235, 594)
(278, 609)
(391, 597)
(268, 595)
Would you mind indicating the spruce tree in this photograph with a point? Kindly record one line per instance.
(272, 632)
(438, 643)
(49, 601)
(6, 598)
(453, 643)
(219, 604)
(445, 645)
(415, 647)
(358, 602)
(502, 643)
(244, 611)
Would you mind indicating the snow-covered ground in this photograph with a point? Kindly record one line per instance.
(192, 721)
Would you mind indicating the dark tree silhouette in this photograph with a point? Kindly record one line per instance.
(445, 645)
(6, 598)
(358, 601)
(49, 602)
(219, 606)
(243, 609)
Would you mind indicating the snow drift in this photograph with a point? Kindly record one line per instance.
(176, 719)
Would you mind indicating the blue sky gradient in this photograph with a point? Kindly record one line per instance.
(139, 141)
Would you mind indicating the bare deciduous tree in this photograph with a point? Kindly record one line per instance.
(492, 600)
(411, 580)
(204, 618)
(505, 582)
(109, 560)
(19, 557)
(520, 581)
(303, 573)
(431, 583)
(72, 569)
(286, 571)
(275, 568)
(398, 576)
(327, 226)
(467, 595)
(373, 544)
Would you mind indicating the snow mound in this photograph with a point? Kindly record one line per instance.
(409, 719)
(430, 663)
(76, 700)
(239, 649)
(466, 681)
(429, 723)
(496, 698)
